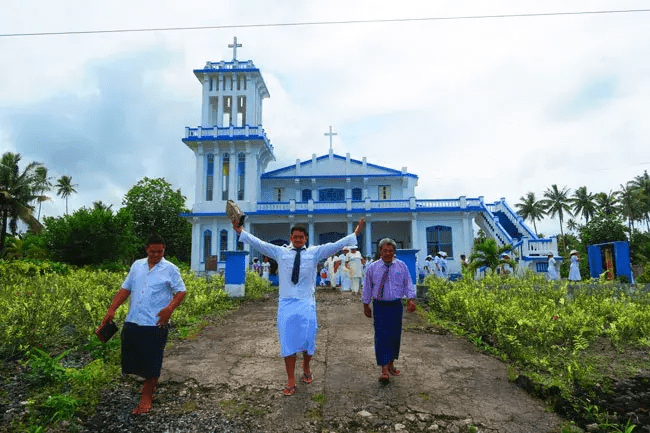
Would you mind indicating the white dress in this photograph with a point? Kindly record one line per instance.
(552, 270)
(574, 269)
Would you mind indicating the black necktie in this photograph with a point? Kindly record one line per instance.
(296, 267)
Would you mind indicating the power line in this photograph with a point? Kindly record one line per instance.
(325, 23)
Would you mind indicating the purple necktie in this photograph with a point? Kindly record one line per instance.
(382, 283)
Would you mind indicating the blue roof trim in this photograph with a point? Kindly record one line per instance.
(226, 138)
(335, 156)
(215, 70)
(337, 176)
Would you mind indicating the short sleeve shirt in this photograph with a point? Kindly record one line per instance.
(151, 290)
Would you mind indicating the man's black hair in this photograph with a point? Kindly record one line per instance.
(299, 228)
(155, 238)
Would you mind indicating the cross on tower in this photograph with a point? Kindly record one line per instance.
(330, 135)
(234, 46)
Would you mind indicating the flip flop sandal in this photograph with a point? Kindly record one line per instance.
(289, 390)
(394, 371)
(307, 378)
(384, 378)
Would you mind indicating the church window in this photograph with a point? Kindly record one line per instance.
(384, 192)
(209, 179)
(207, 245)
(225, 176)
(227, 111)
(241, 175)
(331, 194)
(223, 243)
(211, 81)
(278, 194)
(356, 194)
(241, 111)
(306, 195)
(439, 239)
(241, 82)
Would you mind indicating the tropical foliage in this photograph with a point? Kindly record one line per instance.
(48, 314)
(154, 206)
(550, 332)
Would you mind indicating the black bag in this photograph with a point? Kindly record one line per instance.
(105, 332)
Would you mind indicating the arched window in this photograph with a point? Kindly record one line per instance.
(225, 176)
(223, 244)
(439, 239)
(209, 178)
(207, 245)
(306, 195)
(356, 194)
(241, 175)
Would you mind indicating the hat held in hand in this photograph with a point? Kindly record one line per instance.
(234, 213)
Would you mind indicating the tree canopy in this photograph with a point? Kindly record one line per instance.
(154, 207)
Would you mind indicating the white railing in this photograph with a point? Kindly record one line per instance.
(230, 65)
(389, 204)
(434, 204)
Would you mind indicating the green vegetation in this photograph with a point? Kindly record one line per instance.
(48, 314)
(561, 341)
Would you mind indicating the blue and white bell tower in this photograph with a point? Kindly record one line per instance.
(230, 145)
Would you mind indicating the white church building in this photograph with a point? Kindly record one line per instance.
(325, 193)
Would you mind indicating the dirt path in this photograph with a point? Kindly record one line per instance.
(233, 368)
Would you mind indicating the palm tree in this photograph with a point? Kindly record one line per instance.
(65, 188)
(642, 183)
(487, 253)
(42, 184)
(531, 209)
(583, 203)
(630, 204)
(16, 194)
(557, 203)
(571, 224)
(606, 202)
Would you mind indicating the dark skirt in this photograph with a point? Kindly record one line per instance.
(142, 349)
(388, 329)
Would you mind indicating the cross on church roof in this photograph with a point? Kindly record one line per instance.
(331, 134)
(234, 46)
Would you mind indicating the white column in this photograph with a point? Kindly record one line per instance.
(312, 240)
(368, 236)
(205, 105)
(415, 239)
(219, 121)
(195, 261)
(199, 195)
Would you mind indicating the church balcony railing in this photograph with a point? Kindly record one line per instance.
(226, 133)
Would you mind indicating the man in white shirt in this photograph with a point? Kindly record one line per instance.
(296, 319)
(355, 260)
(156, 289)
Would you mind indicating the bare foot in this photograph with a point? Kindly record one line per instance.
(143, 407)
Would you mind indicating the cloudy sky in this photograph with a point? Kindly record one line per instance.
(494, 106)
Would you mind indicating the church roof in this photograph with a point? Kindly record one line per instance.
(336, 166)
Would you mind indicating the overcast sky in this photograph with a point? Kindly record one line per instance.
(492, 107)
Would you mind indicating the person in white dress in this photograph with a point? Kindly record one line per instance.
(355, 260)
(437, 267)
(344, 270)
(428, 266)
(552, 273)
(266, 268)
(331, 272)
(444, 270)
(574, 267)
